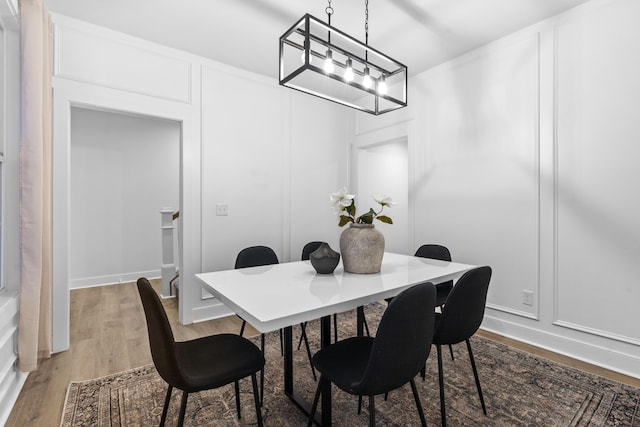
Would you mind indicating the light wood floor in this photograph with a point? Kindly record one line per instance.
(108, 335)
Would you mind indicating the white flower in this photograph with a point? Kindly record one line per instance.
(340, 199)
(384, 200)
(344, 205)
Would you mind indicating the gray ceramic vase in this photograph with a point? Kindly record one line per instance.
(362, 248)
(324, 259)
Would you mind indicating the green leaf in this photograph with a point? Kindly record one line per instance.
(368, 217)
(344, 220)
(385, 219)
(351, 209)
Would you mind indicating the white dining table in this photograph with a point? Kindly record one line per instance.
(282, 295)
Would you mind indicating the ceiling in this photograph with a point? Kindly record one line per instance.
(245, 33)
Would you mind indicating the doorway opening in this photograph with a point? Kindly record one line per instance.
(124, 168)
(382, 168)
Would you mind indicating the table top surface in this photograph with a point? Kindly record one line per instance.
(275, 296)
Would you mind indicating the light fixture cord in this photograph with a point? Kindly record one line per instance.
(329, 11)
(366, 28)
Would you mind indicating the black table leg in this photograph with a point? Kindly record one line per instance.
(325, 340)
(323, 418)
(288, 360)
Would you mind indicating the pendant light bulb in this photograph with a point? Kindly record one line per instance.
(382, 85)
(328, 63)
(366, 80)
(348, 72)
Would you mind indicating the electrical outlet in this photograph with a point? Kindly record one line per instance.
(222, 209)
(527, 297)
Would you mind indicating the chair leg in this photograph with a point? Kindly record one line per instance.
(450, 348)
(475, 374)
(244, 323)
(256, 399)
(316, 398)
(366, 327)
(423, 421)
(359, 405)
(443, 413)
(262, 371)
(335, 327)
(303, 334)
(281, 344)
(166, 406)
(183, 408)
(306, 344)
(372, 411)
(237, 389)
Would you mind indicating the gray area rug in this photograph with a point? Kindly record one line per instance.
(519, 390)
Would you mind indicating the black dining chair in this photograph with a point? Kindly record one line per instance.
(200, 364)
(306, 251)
(366, 366)
(440, 253)
(461, 317)
(256, 256)
(308, 248)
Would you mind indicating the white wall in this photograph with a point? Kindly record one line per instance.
(492, 138)
(244, 166)
(319, 153)
(266, 157)
(250, 153)
(598, 211)
(11, 379)
(124, 169)
(525, 161)
(478, 171)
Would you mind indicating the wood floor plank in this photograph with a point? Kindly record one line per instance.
(109, 335)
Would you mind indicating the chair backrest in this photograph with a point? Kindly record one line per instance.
(308, 248)
(402, 343)
(462, 314)
(255, 256)
(434, 251)
(161, 338)
(440, 253)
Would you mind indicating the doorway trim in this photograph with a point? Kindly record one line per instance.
(68, 94)
(398, 131)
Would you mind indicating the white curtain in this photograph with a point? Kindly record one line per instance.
(35, 314)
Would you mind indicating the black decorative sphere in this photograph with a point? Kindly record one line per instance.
(324, 259)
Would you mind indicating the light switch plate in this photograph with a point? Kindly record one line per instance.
(222, 209)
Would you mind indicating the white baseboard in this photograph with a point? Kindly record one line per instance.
(617, 360)
(90, 282)
(210, 312)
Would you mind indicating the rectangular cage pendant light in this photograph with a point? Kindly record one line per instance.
(321, 60)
